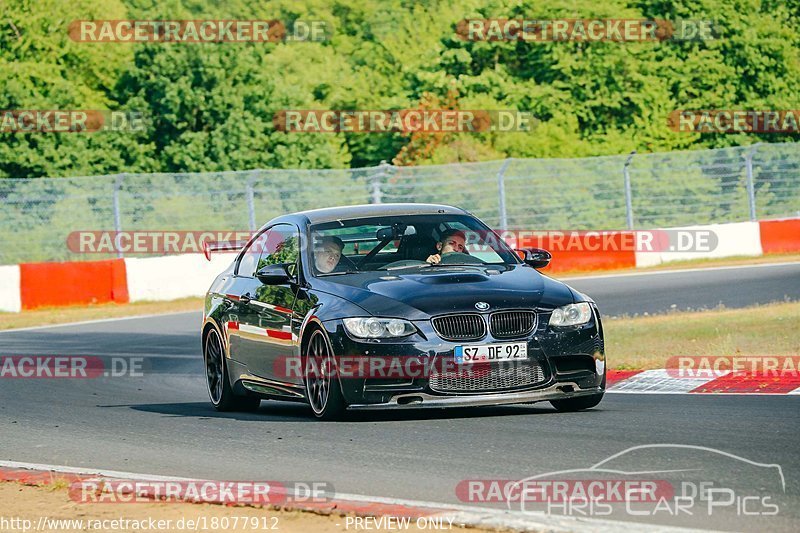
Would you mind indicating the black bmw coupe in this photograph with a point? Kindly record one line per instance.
(396, 306)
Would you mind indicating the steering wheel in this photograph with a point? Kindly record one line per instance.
(348, 263)
(452, 258)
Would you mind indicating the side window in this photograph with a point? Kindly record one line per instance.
(249, 260)
(282, 245)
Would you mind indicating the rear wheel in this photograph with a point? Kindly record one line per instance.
(217, 382)
(577, 404)
(322, 386)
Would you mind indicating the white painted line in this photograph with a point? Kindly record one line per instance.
(86, 471)
(678, 271)
(468, 515)
(98, 321)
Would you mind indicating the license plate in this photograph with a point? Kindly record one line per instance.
(512, 351)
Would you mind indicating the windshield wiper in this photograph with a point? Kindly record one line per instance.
(477, 265)
(340, 273)
(401, 267)
(437, 265)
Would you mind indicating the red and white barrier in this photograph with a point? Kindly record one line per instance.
(35, 285)
(735, 239)
(75, 283)
(780, 236)
(10, 297)
(617, 254)
(172, 277)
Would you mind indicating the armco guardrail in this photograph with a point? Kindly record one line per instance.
(639, 191)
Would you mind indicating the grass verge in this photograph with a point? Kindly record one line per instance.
(647, 342)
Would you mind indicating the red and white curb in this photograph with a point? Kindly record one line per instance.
(352, 504)
(669, 382)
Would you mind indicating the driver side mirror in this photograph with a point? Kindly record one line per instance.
(274, 274)
(535, 257)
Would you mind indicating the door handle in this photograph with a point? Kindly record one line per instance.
(245, 298)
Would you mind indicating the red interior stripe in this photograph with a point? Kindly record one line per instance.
(277, 334)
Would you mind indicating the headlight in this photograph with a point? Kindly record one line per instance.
(375, 328)
(571, 315)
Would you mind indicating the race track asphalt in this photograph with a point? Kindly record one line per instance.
(660, 291)
(162, 423)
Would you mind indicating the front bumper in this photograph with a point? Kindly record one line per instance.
(572, 360)
(556, 391)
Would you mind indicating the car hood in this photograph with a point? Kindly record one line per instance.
(420, 294)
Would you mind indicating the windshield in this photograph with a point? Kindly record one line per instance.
(405, 242)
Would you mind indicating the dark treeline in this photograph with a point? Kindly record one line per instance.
(210, 107)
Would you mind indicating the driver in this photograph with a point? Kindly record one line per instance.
(327, 253)
(451, 241)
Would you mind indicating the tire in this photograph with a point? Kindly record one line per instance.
(217, 380)
(323, 390)
(577, 404)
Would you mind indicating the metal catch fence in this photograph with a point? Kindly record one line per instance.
(634, 191)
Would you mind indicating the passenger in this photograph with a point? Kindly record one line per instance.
(327, 253)
(451, 241)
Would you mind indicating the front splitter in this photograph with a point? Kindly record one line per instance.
(422, 401)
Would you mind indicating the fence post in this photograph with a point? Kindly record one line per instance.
(628, 194)
(501, 189)
(376, 195)
(751, 191)
(251, 204)
(117, 215)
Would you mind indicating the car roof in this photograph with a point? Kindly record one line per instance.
(330, 214)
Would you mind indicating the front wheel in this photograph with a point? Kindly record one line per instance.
(217, 383)
(322, 386)
(577, 404)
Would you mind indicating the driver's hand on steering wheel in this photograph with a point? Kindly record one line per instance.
(434, 259)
